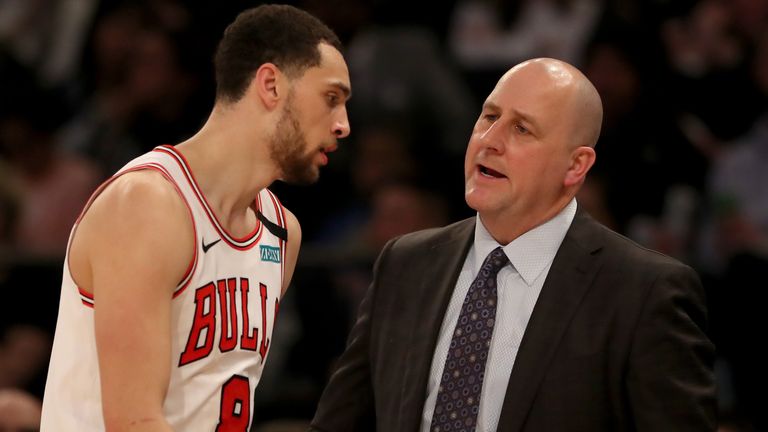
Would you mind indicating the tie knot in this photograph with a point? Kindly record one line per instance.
(495, 261)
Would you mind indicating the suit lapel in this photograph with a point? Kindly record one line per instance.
(437, 275)
(569, 278)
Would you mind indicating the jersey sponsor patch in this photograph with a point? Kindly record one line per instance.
(270, 253)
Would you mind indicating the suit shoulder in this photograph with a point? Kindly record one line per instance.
(427, 238)
(626, 249)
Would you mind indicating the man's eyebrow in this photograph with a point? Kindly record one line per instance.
(343, 88)
(491, 106)
(526, 117)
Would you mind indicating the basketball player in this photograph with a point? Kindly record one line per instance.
(176, 266)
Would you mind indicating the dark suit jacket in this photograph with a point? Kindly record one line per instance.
(616, 341)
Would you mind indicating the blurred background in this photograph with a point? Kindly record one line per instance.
(682, 167)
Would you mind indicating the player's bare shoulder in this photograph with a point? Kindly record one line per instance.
(138, 212)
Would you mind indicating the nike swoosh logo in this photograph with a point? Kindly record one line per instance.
(209, 245)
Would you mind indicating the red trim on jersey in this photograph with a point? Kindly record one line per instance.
(244, 243)
(85, 294)
(159, 168)
(258, 202)
(85, 297)
(279, 209)
(188, 275)
(283, 244)
(187, 278)
(285, 225)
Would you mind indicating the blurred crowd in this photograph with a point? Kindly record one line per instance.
(682, 162)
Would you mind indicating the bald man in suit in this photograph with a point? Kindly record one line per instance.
(578, 328)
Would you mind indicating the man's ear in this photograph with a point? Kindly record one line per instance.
(265, 83)
(582, 160)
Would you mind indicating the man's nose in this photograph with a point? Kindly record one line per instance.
(492, 138)
(341, 126)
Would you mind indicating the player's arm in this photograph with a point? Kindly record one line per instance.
(137, 240)
(293, 246)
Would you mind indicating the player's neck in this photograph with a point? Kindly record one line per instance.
(231, 163)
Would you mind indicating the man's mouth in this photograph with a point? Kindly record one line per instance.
(324, 153)
(323, 157)
(489, 172)
(329, 148)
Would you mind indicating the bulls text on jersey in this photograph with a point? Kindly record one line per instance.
(204, 324)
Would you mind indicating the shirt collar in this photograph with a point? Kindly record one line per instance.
(533, 251)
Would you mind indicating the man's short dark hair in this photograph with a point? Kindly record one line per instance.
(279, 34)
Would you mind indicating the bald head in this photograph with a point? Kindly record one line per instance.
(532, 146)
(582, 107)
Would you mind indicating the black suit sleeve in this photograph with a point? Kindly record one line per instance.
(670, 380)
(347, 403)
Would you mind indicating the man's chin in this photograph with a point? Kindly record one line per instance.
(478, 200)
(308, 177)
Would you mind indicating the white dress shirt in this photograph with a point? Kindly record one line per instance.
(519, 285)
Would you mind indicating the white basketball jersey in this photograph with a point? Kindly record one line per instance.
(223, 313)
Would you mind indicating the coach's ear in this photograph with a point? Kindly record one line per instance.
(265, 84)
(582, 159)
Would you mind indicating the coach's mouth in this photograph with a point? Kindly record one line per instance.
(489, 172)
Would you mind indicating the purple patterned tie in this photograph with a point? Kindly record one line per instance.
(458, 397)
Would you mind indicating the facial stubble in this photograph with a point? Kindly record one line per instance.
(289, 149)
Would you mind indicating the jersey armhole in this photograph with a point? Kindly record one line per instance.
(280, 215)
(153, 166)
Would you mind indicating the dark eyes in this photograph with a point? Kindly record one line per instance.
(332, 99)
(521, 129)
